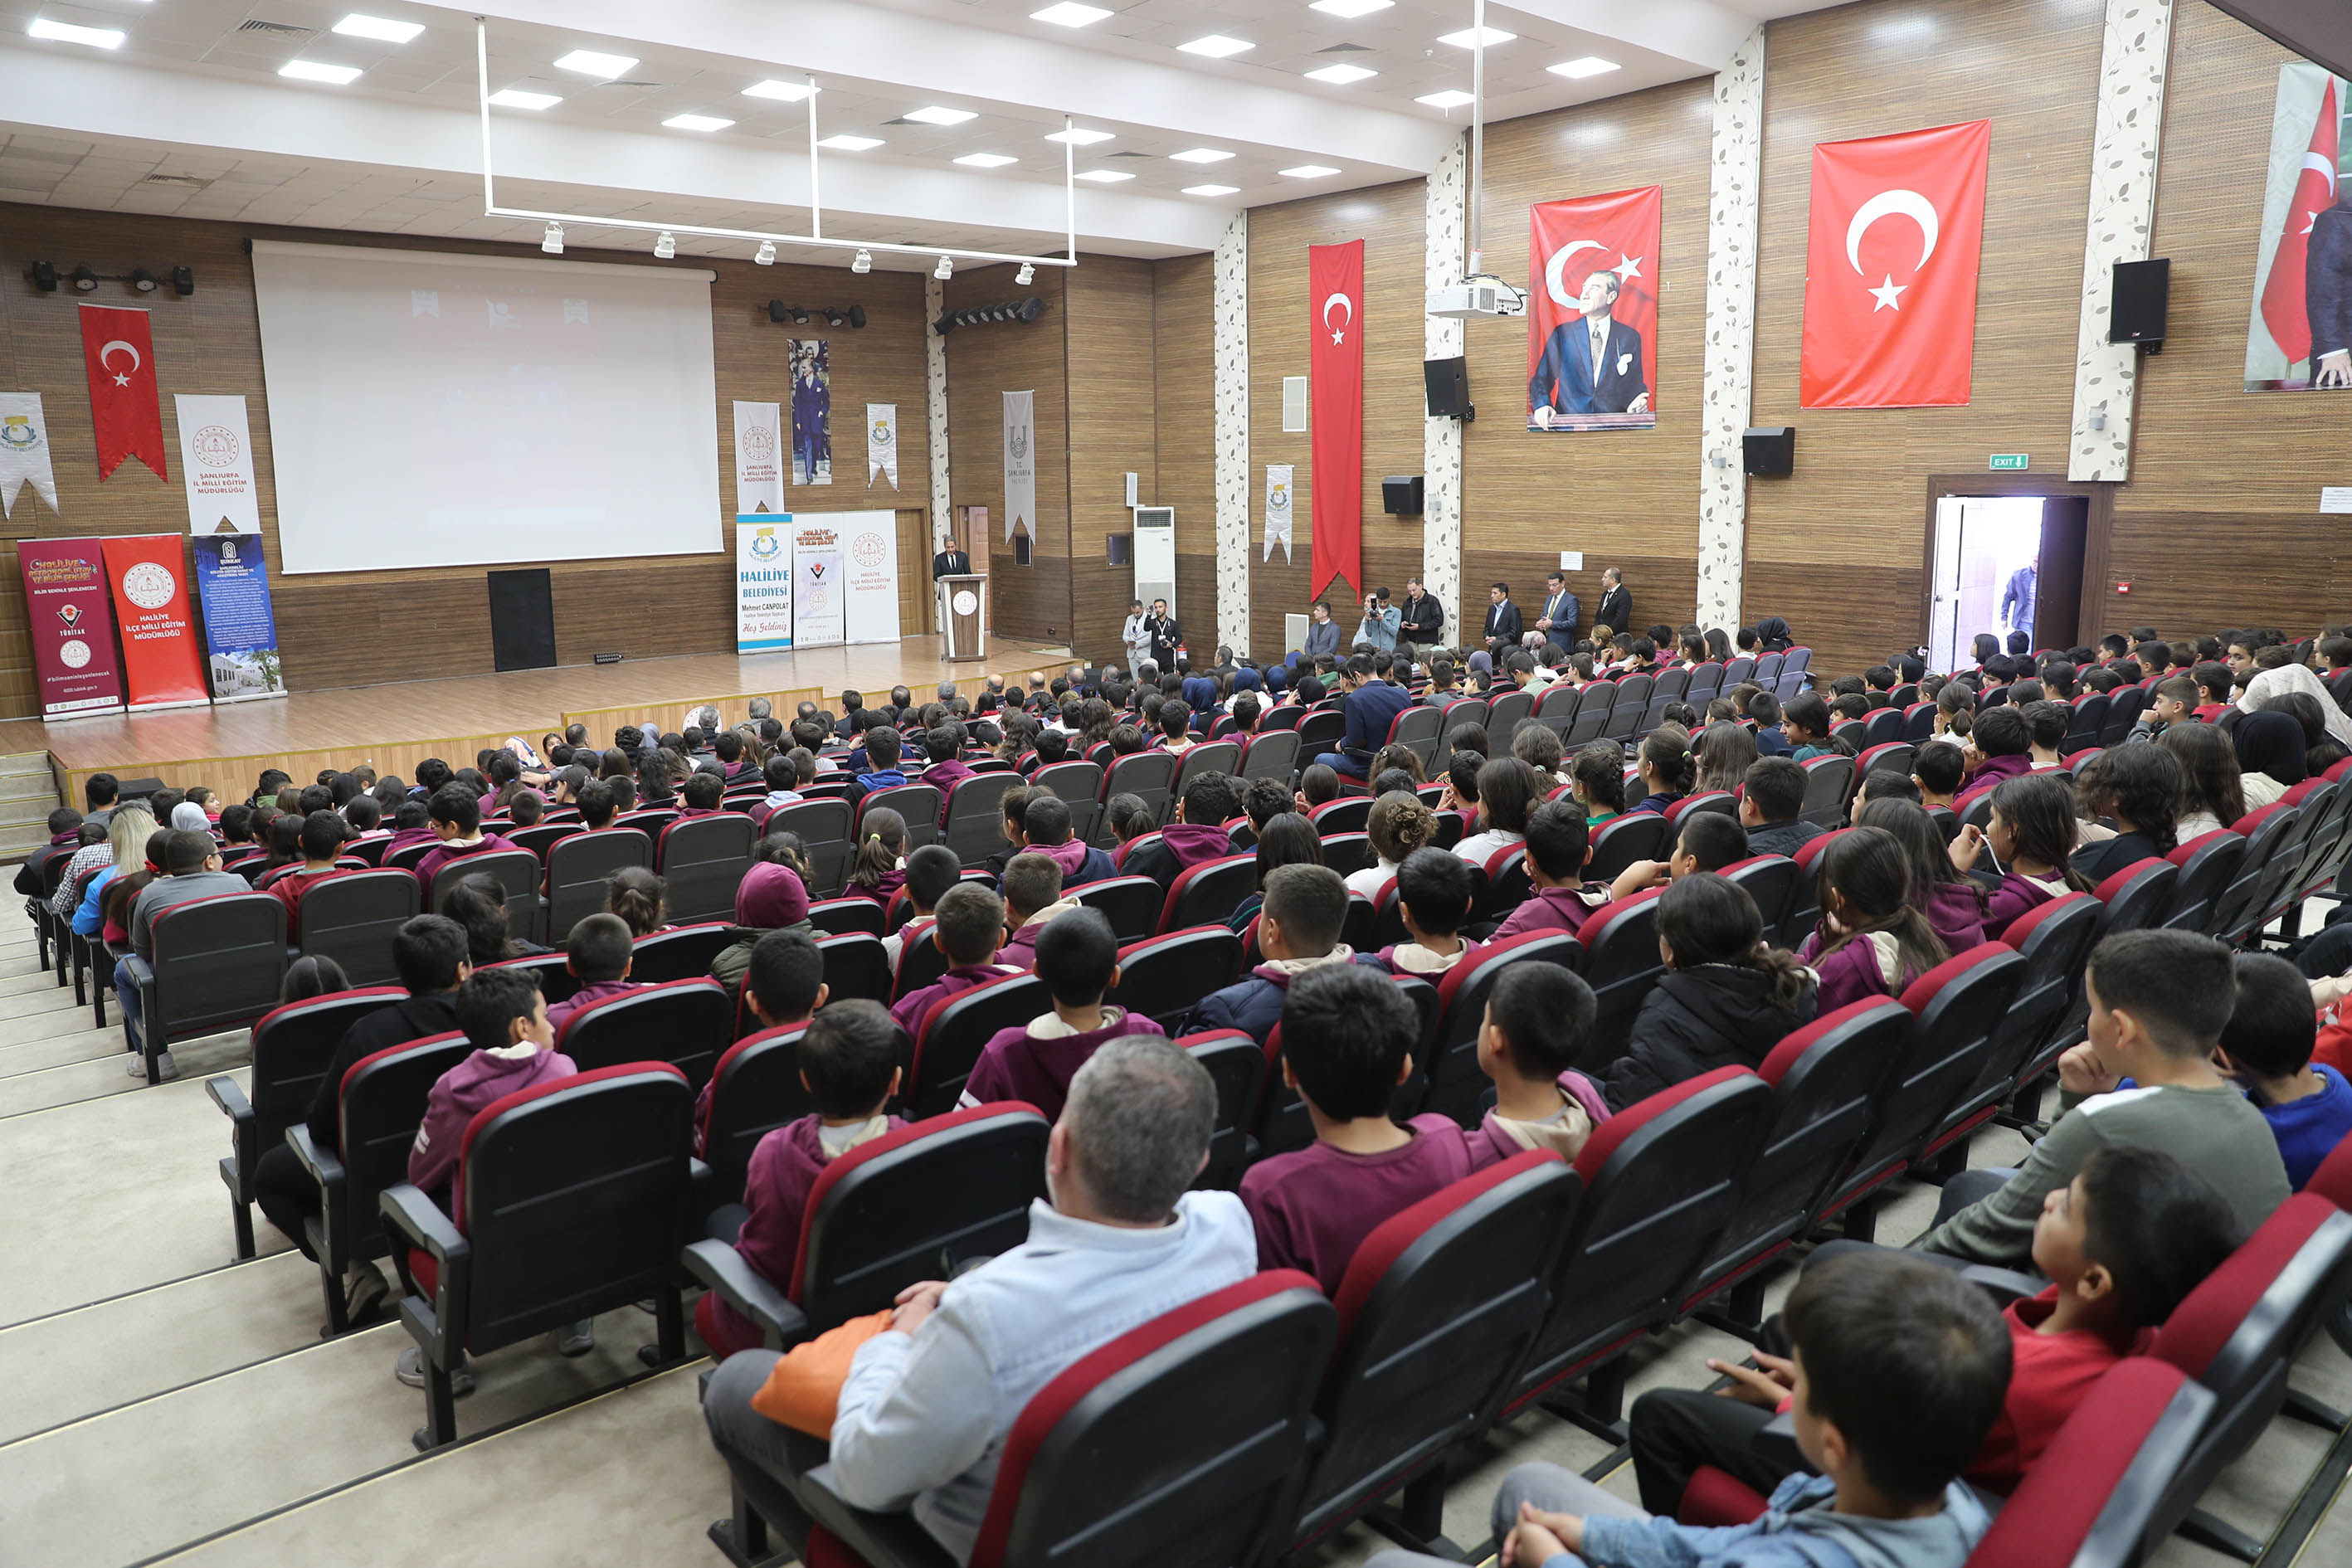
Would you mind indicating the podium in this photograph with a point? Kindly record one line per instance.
(964, 619)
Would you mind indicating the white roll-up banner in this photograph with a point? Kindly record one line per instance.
(759, 459)
(216, 463)
(869, 567)
(817, 605)
(763, 582)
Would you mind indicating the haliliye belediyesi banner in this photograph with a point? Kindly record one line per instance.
(763, 582)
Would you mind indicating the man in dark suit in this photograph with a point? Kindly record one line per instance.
(1589, 365)
(1423, 621)
(1165, 635)
(951, 562)
(1616, 611)
(1561, 613)
(1371, 705)
(2328, 292)
(1502, 615)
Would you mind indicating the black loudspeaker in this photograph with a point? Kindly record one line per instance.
(1769, 451)
(1400, 495)
(2135, 312)
(522, 619)
(1447, 383)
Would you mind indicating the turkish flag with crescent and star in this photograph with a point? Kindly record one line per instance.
(2285, 311)
(1569, 243)
(1890, 261)
(119, 355)
(1335, 411)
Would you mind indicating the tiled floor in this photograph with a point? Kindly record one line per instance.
(167, 1403)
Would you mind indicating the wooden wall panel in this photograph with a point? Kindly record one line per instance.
(348, 628)
(1027, 604)
(1627, 498)
(1388, 218)
(1113, 432)
(1843, 531)
(1185, 421)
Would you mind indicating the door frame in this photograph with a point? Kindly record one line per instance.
(2091, 617)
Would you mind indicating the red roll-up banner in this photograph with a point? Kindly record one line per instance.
(119, 355)
(72, 628)
(1335, 405)
(160, 661)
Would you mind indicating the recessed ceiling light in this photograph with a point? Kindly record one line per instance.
(697, 123)
(1078, 136)
(1308, 172)
(1340, 75)
(380, 28)
(1578, 70)
(1070, 14)
(1211, 190)
(782, 91)
(67, 33)
(1470, 37)
(1105, 176)
(1451, 98)
(1216, 47)
(986, 160)
(851, 143)
(312, 70)
(516, 98)
(1350, 8)
(932, 114)
(1200, 155)
(589, 62)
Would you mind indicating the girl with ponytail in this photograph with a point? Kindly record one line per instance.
(1668, 767)
(635, 895)
(2032, 840)
(880, 869)
(1870, 942)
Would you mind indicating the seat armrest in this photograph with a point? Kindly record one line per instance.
(419, 1219)
(722, 1268)
(325, 1169)
(142, 973)
(414, 1219)
(2005, 1285)
(883, 1539)
(231, 1100)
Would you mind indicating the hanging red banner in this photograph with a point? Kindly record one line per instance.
(160, 662)
(1335, 404)
(71, 628)
(1593, 310)
(119, 355)
(1909, 208)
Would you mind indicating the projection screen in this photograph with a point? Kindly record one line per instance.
(428, 409)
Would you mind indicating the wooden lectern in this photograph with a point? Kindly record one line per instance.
(965, 630)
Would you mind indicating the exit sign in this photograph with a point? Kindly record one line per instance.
(2008, 461)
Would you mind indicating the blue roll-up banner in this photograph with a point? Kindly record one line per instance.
(240, 631)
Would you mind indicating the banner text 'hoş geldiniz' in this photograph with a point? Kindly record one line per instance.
(1335, 404)
(1891, 254)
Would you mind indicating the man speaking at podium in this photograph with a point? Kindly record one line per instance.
(951, 562)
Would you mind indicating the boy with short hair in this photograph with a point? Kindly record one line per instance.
(1772, 793)
(968, 926)
(598, 954)
(1538, 1022)
(881, 770)
(1046, 829)
(1077, 958)
(2266, 1049)
(1347, 1044)
(1298, 932)
(1938, 771)
(323, 840)
(1197, 837)
(1434, 892)
(931, 870)
(1262, 799)
(2174, 701)
(848, 1062)
(456, 813)
(2159, 1001)
(1559, 843)
(2046, 723)
(1033, 900)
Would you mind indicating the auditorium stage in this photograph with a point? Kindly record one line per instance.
(395, 725)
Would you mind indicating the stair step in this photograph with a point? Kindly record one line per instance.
(29, 786)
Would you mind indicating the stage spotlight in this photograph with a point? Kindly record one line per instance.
(865, 262)
(1031, 309)
(856, 317)
(833, 318)
(944, 325)
(945, 270)
(800, 316)
(84, 278)
(1026, 276)
(778, 312)
(665, 245)
(45, 277)
(766, 255)
(184, 281)
(142, 280)
(553, 243)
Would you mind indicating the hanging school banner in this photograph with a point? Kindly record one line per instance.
(159, 665)
(882, 442)
(1277, 509)
(819, 609)
(240, 630)
(758, 459)
(23, 451)
(870, 568)
(763, 582)
(71, 623)
(119, 357)
(811, 412)
(1335, 404)
(1592, 317)
(216, 465)
(1020, 463)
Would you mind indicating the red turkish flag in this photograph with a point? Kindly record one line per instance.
(1335, 404)
(1908, 211)
(120, 356)
(1567, 243)
(2283, 310)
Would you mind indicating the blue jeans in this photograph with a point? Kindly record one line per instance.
(1347, 767)
(126, 992)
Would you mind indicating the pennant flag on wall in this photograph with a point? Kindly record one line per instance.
(120, 356)
(1334, 401)
(23, 451)
(2285, 311)
(1277, 509)
(882, 442)
(1891, 258)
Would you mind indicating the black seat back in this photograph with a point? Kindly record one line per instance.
(292, 1046)
(680, 952)
(855, 965)
(378, 1109)
(218, 963)
(1208, 893)
(1236, 1064)
(1163, 977)
(823, 827)
(1131, 904)
(755, 1088)
(1456, 1086)
(949, 1041)
(686, 1023)
(353, 919)
(975, 806)
(516, 871)
(701, 859)
(577, 868)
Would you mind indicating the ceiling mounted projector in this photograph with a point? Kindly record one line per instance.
(1480, 297)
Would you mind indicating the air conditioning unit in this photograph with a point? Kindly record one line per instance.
(1477, 297)
(1155, 555)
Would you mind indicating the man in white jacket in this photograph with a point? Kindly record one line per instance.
(1137, 635)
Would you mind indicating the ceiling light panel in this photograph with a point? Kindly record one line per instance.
(1470, 37)
(1587, 66)
(1216, 47)
(1451, 98)
(517, 98)
(987, 160)
(312, 70)
(1308, 172)
(1211, 190)
(1200, 155)
(67, 33)
(851, 143)
(1341, 76)
(603, 67)
(933, 114)
(1070, 14)
(697, 123)
(381, 29)
(1079, 136)
(781, 92)
(1105, 176)
(1349, 8)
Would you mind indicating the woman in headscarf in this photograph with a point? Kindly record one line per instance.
(2270, 755)
(2281, 679)
(771, 897)
(189, 815)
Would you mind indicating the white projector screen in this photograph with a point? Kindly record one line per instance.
(428, 409)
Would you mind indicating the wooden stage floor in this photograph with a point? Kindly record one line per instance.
(395, 725)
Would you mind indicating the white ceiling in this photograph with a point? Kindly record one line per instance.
(191, 92)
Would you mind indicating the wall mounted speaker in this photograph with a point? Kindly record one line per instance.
(1769, 451)
(1400, 495)
(1447, 383)
(2142, 291)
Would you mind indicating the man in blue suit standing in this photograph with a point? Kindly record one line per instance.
(1589, 365)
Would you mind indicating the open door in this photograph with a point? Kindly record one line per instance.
(1996, 565)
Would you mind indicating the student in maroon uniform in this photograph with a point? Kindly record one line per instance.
(1077, 958)
(1033, 899)
(1869, 941)
(1434, 892)
(598, 954)
(969, 926)
(1197, 837)
(1952, 901)
(1538, 1018)
(849, 1063)
(1045, 828)
(457, 813)
(1559, 843)
(1346, 1043)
